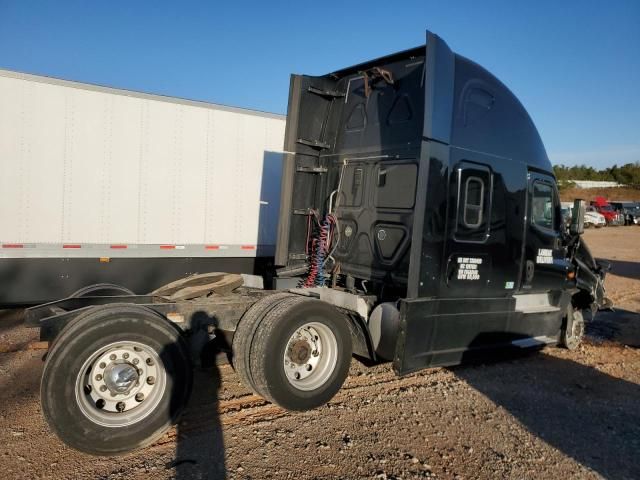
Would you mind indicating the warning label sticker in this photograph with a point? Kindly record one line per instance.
(468, 268)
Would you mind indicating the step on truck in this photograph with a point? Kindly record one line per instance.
(419, 225)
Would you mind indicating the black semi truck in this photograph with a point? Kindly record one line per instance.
(419, 224)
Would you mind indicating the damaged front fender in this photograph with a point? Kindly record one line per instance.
(590, 275)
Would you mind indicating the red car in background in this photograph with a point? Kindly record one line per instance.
(610, 214)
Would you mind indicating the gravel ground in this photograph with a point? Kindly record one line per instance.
(550, 414)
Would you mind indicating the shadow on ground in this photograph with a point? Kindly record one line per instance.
(549, 399)
(577, 409)
(619, 325)
(200, 444)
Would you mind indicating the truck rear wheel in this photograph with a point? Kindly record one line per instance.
(300, 353)
(116, 379)
(243, 336)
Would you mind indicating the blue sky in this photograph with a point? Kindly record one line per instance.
(575, 65)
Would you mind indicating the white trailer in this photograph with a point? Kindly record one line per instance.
(105, 185)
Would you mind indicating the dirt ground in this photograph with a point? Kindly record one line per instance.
(628, 194)
(550, 414)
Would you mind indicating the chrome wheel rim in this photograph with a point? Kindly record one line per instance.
(577, 327)
(120, 384)
(310, 356)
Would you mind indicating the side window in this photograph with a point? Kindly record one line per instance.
(473, 204)
(475, 185)
(542, 206)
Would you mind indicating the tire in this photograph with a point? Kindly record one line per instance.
(245, 331)
(71, 393)
(101, 290)
(573, 332)
(277, 354)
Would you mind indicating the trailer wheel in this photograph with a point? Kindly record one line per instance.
(245, 331)
(101, 290)
(116, 379)
(300, 353)
(573, 331)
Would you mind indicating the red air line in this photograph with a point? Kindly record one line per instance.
(248, 247)
(212, 247)
(67, 245)
(119, 247)
(12, 245)
(167, 247)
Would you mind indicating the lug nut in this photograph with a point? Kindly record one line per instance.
(151, 380)
(98, 377)
(136, 361)
(120, 406)
(139, 397)
(103, 388)
(112, 356)
(102, 365)
(125, 355)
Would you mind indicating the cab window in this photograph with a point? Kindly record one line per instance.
(473, 202)
(474, 188)
(542, 207)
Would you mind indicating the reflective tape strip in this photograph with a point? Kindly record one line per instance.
(9, 249)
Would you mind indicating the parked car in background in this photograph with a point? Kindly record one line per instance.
(591, 216)
(611, 216)
(630, 211)
(594, 219)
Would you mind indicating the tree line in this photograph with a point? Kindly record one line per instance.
(628, 174)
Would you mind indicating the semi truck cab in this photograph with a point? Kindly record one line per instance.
(419, 225)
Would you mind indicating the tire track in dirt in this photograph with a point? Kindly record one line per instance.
(251, 409)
